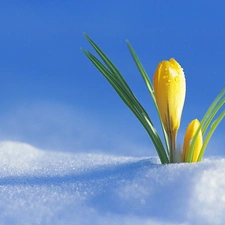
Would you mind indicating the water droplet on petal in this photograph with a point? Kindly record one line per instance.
(177, 78)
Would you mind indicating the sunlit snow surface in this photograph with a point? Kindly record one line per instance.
(42, 187)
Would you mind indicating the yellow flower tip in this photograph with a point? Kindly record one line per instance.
(175, 64)
(170, 90)
(190, 132)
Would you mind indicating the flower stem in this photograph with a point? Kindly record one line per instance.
(172, 145)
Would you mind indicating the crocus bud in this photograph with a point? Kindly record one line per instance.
(170, 89)
(190, 133)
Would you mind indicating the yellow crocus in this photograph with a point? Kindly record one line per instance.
(170, 90)
(190, 132)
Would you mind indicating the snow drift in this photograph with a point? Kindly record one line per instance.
(42, 187)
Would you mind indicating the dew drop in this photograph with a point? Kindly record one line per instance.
(177, 79)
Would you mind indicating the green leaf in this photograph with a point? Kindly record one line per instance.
(150, 88)
(112, 74)
(205, 123)
(210, 133)
(213, 109)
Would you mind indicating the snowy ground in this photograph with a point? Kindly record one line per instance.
(42, 187)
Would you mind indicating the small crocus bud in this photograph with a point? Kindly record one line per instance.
(170, 90)
(190, 133)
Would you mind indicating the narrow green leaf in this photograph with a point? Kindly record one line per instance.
(205, 123)
(130, 100)
(109, 64)
(150, 88)
(212, 114)
(209, 111)
(116, 73)
(210, 133)
(142, 71)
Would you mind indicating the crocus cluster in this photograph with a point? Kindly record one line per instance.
(168, 94)
(170, 90)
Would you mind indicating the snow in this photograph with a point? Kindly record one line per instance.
(43, 187)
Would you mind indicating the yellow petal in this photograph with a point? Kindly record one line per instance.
(170, 90)
(190, 132)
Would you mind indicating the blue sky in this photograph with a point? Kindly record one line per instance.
(51, 95)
